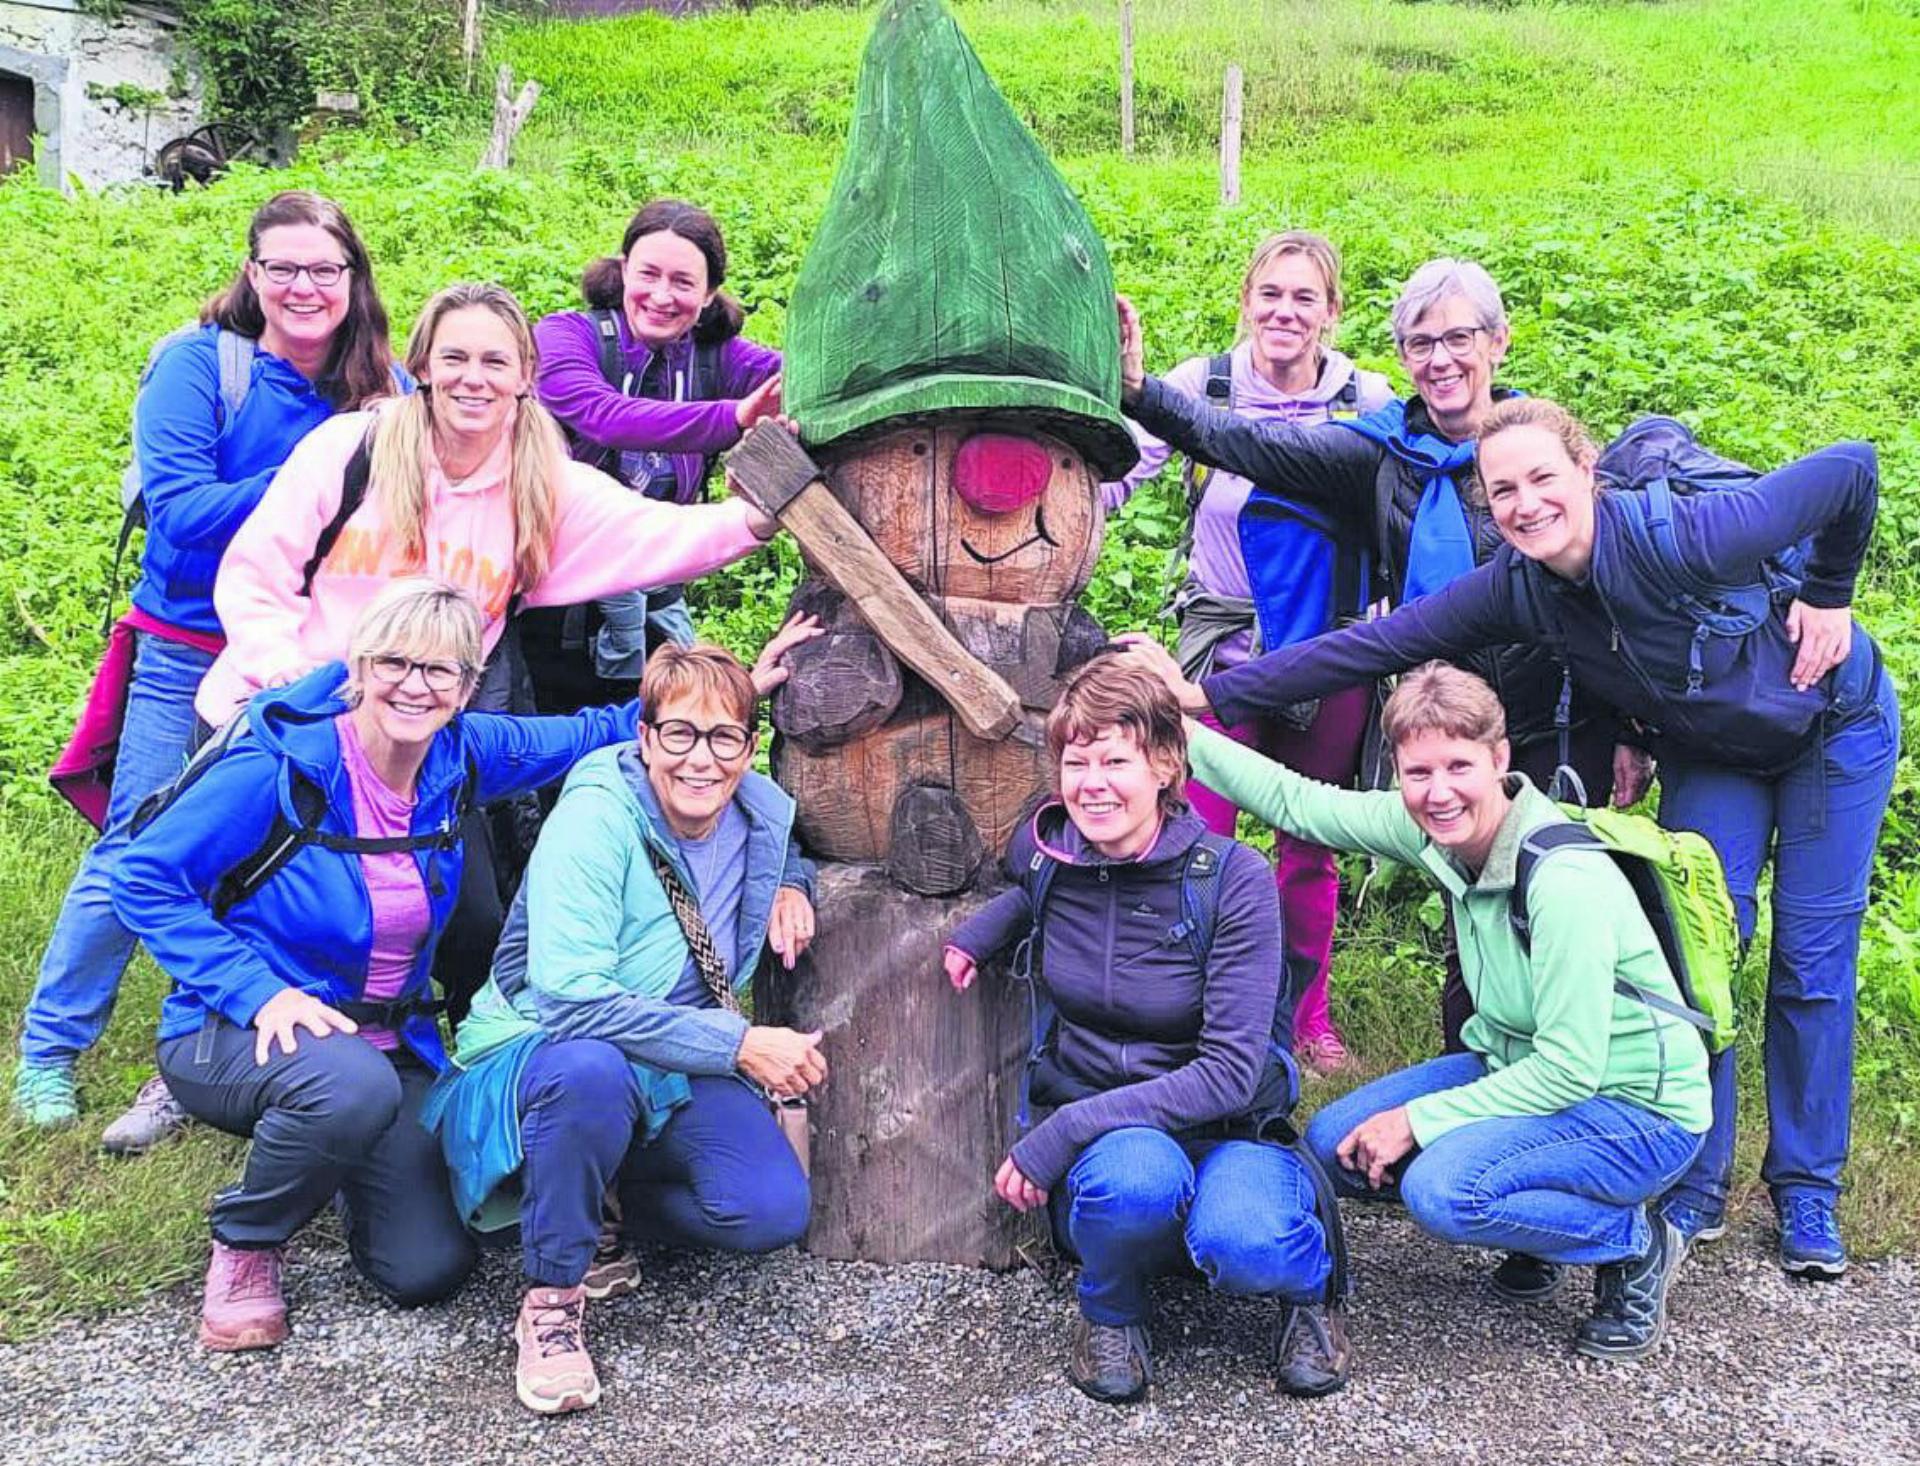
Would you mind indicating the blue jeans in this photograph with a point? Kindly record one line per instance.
(719, 1173)
(89, 950)
(1569, 1187)
(620, 646)
(1820, 820)
(1138, 1204)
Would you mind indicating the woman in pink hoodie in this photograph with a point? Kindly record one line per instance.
(467, 481)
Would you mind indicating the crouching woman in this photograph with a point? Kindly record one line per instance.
(1575, 1106)
(1169, 1056)
(608, 1050)
(293, 888)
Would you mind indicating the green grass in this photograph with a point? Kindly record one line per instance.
(1706, 208)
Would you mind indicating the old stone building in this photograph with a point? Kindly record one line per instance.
(103, 92)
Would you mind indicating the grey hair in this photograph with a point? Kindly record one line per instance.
(1435, 281)
(419, 617)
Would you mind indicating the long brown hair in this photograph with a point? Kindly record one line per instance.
(404, 437)
(359, 366)
(603, 285)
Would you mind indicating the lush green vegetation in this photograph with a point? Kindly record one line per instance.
(1693, 207)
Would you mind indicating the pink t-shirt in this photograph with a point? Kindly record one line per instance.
(401, 916)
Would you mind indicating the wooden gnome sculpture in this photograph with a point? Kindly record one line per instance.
(952, 361)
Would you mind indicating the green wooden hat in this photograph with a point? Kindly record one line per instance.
(954, 269)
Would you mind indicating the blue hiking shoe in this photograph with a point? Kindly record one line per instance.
(1694, 1225)
(1810, 1245)
(44, 1094)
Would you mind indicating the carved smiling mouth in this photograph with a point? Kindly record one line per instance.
(1038, 536)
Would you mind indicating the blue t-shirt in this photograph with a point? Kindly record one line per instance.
(718, 864)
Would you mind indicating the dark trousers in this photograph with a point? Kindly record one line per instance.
(1591, 749)
(719, 1174)
(335, 1117)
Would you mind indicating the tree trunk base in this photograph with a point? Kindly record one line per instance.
(918, 1111)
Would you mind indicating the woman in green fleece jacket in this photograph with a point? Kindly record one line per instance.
(1574, 1105)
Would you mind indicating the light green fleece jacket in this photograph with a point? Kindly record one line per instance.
(1549, 1024)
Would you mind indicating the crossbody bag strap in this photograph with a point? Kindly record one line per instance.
(693, 926)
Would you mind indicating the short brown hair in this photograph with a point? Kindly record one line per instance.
(698, 671)
(1441, 698)
(1107, 693)
(1538, 412)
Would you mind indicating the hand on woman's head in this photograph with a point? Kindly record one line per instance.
(1145, 651)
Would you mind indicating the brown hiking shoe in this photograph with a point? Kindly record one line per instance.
(1311, 1353)
(1110, 1364)
(614, 1271)
(554, 1371)
(242, 1307)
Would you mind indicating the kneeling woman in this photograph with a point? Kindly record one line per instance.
(1574, 1107)
(300, 1013)
(608, 1048)
(1162, 1081)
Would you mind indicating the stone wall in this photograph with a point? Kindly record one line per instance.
(75, 61)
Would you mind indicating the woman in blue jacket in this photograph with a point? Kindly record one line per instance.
(293, 889)
(1777, 729)
(1170, 1056)
(299, 335)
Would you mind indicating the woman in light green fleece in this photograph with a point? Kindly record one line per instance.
(1574, 1105)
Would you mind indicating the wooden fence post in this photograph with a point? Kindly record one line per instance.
(1230, 112)
(470, 38)
(1126, 77)
(509, 116)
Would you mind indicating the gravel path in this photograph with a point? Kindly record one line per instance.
(792, 1360)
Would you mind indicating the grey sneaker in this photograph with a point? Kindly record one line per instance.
(1110, 1364)
(153, 1116)
(614, 1271)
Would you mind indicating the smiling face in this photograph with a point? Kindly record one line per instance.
(301, 317)
(666, 287)
(1540, 497)
(1112, 792)
(407, 695)
(1457, 386)
(477, 375)
(1287, 313)
(694, 785)
(1454, 789)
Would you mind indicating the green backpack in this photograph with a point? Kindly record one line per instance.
(1678, 880)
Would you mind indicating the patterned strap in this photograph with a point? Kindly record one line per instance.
(686, 911)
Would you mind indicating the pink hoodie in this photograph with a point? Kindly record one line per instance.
(605, 540)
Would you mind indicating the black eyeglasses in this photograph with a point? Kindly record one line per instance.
(1458, 341)
(439, 676)
(324, 273)
(727, 740)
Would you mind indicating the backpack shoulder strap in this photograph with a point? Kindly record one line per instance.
(706, 369)
(1200, 892)
(353, 493)
(1535, 848)
(236, 354)
(606, 330)
(1220, 380)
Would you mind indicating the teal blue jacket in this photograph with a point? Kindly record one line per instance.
(591, 949)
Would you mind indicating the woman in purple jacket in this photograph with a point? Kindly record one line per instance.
(1155, 944)
(1776, 726)
(650, 381)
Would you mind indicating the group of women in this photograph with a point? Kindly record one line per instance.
(333, 559)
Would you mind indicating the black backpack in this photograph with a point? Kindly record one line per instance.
(613, 367)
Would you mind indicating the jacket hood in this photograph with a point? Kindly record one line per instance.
(1052, 831)
(1336, 370)
(619, 770)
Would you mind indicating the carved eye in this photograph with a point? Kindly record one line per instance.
(920, 450)
(1066, 463)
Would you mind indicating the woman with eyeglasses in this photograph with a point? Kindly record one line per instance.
(294, 887)
(608, 1049)
(298, 336)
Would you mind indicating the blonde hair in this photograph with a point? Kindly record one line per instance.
(418, 617)
(404, 436)
(698, 671)
(1317, 250)
(1440, 698)
(1538, 412)
(1107, 693)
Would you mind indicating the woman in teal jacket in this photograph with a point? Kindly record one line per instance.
(608, 1049)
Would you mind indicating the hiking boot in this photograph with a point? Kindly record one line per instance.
(44, 1094)
(243, 1308)
(554, 1371)
(1630, 1298)
(1521, 1278)
(153, 1116)
(1324, 1054)
(1810, 1245)
(1311, 1353)
(1110, 1364)
(615, 1270)
(1696, 1227)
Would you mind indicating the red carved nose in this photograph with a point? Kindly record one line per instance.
(997, 473)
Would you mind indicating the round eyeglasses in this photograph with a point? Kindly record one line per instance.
(439, 676)
(727, 740)
(324, 273)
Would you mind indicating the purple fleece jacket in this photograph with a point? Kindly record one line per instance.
(600, 415)
(1145, 1037)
